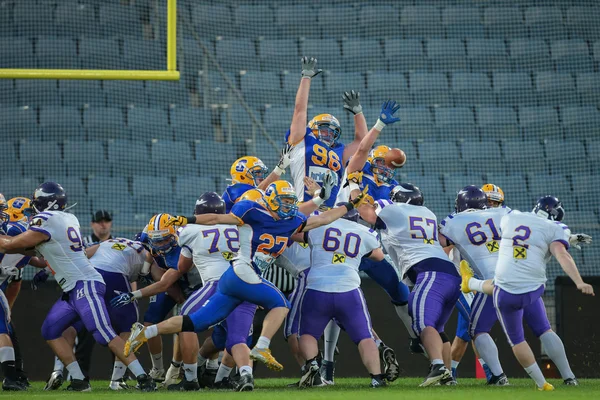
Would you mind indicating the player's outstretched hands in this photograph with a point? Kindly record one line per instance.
(577, 238)
(121, 300)
(352, 102)
(354, 177)
(586, 288)
(178, 220)
(361, 198)
(309, 67)
(311, 186)
(388, 109)
(329, 182)
(285, 160)
(40, 277)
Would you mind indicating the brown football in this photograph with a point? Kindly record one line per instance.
(395, 158)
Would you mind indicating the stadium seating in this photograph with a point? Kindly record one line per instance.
(101, 122)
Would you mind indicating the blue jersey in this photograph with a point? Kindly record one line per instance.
(12, 260)
(377, 190)
(262, 237)
(233, 193)
(313, 158)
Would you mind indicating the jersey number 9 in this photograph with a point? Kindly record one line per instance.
(73, 236)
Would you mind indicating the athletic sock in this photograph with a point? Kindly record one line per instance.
(454, 364)
(246, 369)
(151, 331)
(191, 371)
(437, 361)
(118, 371)
(75, 370)
(213, 364)
(7, 359)
(332, 333)
(402, 312)
(263, 342)
(58, 365)
(136, 368)
(157, 360)
(489, 352)
(176, 364)
(535, 373)
(201, 360)
(555, 349)
(223, 372)
(476, 285)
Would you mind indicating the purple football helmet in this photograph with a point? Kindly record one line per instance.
(551, 207)
(209, 203)
(407, 193)
(49, 196)
(470, 197)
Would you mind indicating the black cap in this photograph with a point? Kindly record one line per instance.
(101, 215)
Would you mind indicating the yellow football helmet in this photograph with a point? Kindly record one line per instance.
(281, 198)
(19, 209)
(255, 195)
(3, 206)
(327, 128)
(248, 169)
(494, 194)
(378, 167)
(162, 237)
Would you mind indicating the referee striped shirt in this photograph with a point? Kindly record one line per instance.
(281, 278)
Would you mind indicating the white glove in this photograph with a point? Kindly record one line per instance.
(9, 271)
(330, 180)
(285, 160)
(577, 238)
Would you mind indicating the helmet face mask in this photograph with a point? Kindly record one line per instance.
(281, 199)
(249, 169)
(162, 244)
(549, 207)
(381, 171)
(407, 193)
(494, 194)
(257, 174)
(161, 237)
(327, 128)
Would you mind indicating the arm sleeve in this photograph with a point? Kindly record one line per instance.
(561, 234)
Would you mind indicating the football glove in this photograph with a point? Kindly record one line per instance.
(179, 220)
(9, 271)
(285, 160)
(40, 277)
(354, 177)
(360, 199)
(352, 102)
(329, 182)
(309, 69)
(122, 300)
(577, 238)
(386, 117)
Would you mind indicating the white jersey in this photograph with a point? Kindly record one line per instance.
(336, 252)
(295, 258)
(525, 250)
(410, 234)
(476, 235)
(63, 251)
(211, 248)
(122, 256)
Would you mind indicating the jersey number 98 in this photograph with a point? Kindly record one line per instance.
(322, 156)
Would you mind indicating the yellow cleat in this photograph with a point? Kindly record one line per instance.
(136, 339)
(265, 356)
(466, 273)
(546, 388)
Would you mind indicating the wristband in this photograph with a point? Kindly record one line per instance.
(278, 170)
(318, 201)
(349, 206)
(191, 220)
(379, 125)
(146, 268)
(353, 186)
(137, 294)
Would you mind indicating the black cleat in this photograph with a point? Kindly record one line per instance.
(145, 383)
(437, 373)
(310, 369)
(571, 382)
(499, 380)
(292, 385)
(391, 369)
(451, 381)
(22, 379)
(206, 377)
(244, 384)
(79, 385)
(185, 386)
(225, 384)
(378, 381)
(13, 385)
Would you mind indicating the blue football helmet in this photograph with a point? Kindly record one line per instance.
(407, 193)
(49, 196)
(549, 207)
(209, 203)
(470, 197)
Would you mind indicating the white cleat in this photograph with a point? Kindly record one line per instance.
(172, 376)
(157, 374)
(118, 385)
(55, 381)
(136, 339)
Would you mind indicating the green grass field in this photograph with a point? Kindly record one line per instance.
(344, 389)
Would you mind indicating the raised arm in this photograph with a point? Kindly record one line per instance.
(205, 219)
(566, 262)
(352, 104)
(279, 169)
(329, 182)
(298, 127)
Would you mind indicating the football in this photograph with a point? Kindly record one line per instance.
(395, 158)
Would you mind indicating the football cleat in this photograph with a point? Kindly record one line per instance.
(546, 388)
(173, 375)
(55, 381)
(466, 273)
(245, 383)
(309, 371)
(185, 386)
(206, 376)
(12, 385)
(327, 372)
(225, 384)
(571, 382)
(451, 381)
(391, 369)
(136, 339)
(79, 385)
(438, 373)
(145, 383)
(378, 381)
(157, 374)
(265, 356)
(500, 380)
(119, 384)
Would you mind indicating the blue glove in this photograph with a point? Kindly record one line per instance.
(39, 278)
(387, 112)
(121, 300)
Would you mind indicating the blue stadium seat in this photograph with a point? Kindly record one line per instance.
(531, 55)
(218, 155)
(31, 21)
(125, 156)
(335, 21)
(583, 183)
(472, 89)
(405, 54)
(498, 123)
(429, 150)
(338, 83)
(36, 92)
(164, 92)
(29, 156)
(268, 154)
(291, 21)
(513, 186)
(581, 122)
(446, 54)
(545, 22)
(363, 55)
(555, 88)
(514, 88)
(101, 122)
(152, 186)
(557, 151)
(421, 21)
(488, 55)
(255, 20)
(291, 81)
(76, 93)
(457, 122)
(417, 123)
(187, 122)
(100, 53)
(572, 56)
(17, 186)
(193, 56)
(278, 120)
(582, 22)
(388, 85)
(121, 19)
(150, 123)
(327, 52)
(375, 19)
(278, 54)
(74, 19)
(453, 183)
(524, 156)
(19, 122)
(430, 89)
(189, 188)
(261, 87)
(16, 52)
(7, 26)
(168, 155)
(237, 54)
(462, 22)
(213, 20)
(123, 93)
(501, 22)
(539, 122)
(593, 150)
(61, 122)
(484, 154)
(588, 88)
(140, 54)
(85, 158)
(238, 122)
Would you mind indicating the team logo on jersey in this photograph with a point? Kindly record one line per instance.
(338, 258)
(492, 246)
(80, 294)
(428, 241)
(304, 245)
(227, 255)
(118, 246)
(520, 253)
(37, 222)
